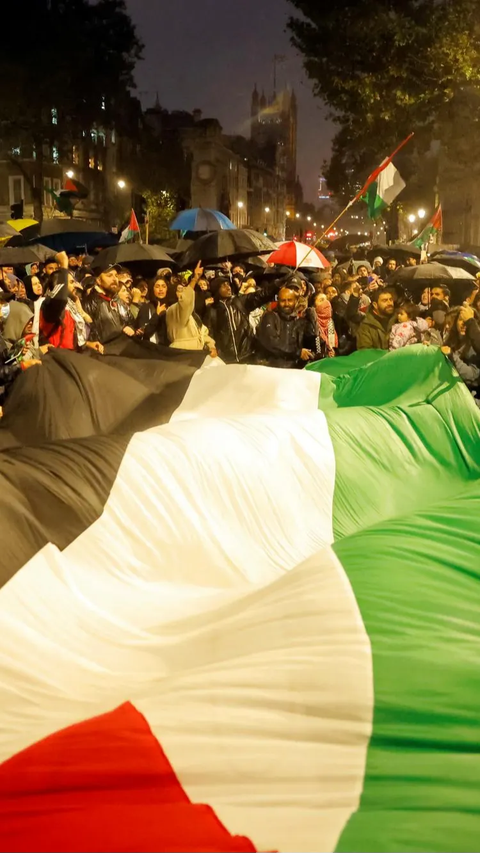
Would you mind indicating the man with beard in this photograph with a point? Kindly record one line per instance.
(374, 331)
(108, 321)
(281, 334)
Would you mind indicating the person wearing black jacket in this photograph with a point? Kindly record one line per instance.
(347, 316)
(151, 320)
(100, 304)
(281, 334)
(228, 320)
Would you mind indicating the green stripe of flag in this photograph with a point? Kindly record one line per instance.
(406, 435)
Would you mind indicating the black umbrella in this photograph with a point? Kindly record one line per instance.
(237, 243)
(128, 253)
(347, 240)
(430, 273)
(403, 249)
(10, 256)
(469, 263)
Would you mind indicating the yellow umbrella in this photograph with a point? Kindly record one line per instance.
(20, 224)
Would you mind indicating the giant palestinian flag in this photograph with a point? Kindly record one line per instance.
(241, 606)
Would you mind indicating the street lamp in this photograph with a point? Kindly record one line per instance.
(240, 204)
(70, 173)
(421, 213)
(309, 218)
(121, 184)
(267, 210)
(297, 215)
(287, 212)
(412, 218)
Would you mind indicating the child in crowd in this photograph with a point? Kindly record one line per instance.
(410, 328)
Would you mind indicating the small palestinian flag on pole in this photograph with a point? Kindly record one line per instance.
(383, 185)
(431, 230)
(130, 233)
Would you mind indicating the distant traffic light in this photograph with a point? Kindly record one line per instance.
(140, 207)
(16, 210)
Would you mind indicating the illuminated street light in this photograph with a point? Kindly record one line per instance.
(267, 210)
(287, 212)
(421, 213)
(297, 215)
(240, 204)
(412, 218)
(121, 183)
(309, 218)
(70, 173)
(314, 224)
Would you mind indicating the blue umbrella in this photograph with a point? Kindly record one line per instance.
(201, 219)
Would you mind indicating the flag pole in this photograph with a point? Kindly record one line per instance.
(370, 180)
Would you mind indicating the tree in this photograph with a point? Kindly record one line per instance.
(385, 68)
(64, 65)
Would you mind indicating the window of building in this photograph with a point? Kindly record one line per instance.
(104, 103)
(47, 197)
(93, 135)
(57, 185)
(16, 152)
(54, 115)
(16, 188)
(91, 160)
(99, 164)
(114, 136)
(75, 155)
(55, 155)
(101, 137)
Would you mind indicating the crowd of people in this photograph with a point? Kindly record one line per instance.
(230, 312)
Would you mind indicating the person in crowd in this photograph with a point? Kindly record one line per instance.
(281, 334)
(388, 269)
(305, 290)
(330, 292)
(124, 278)
(229, 322)
(320, 280)
(440, 304)
(338, 278)
(32, 269)
(409, 328)
(100, 304)
(10, 367)
(378, 265)
(458, 347)
(362, 275)
(411, 261)
(374, 331)
(8, 281)
(21, 292)
(321, 337)
(34, 290)
(203, 297)
(18, 333)
(238, 277)
(348, 314)
(185, 328)
(63, 319)
(48, 269)
(73, 262)
(140, 293)
(250, 286)
(151, 321)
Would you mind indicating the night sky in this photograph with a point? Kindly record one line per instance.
(210, 53)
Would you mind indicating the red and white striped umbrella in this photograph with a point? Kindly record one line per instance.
(293, 254)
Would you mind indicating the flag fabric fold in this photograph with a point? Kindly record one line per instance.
(281, 576)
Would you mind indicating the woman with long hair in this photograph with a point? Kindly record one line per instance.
(151, 322)
(458, 347)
